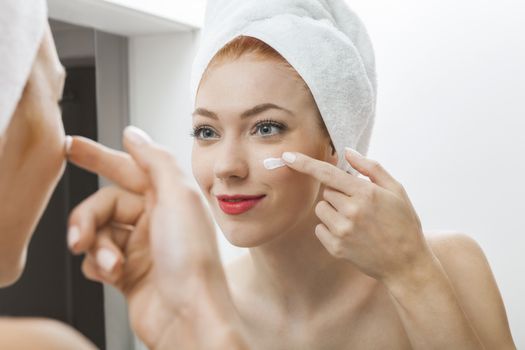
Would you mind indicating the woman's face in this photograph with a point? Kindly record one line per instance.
(32, 159)
(229, 149)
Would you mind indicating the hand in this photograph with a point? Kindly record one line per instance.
(371, 223)
(153, 239)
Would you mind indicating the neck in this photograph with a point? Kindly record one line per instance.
(297, 271)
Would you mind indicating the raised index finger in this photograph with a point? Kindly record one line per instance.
(325, 172)
(114, 165)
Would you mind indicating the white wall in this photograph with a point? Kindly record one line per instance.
(130, 17)
(451, 119)
(451, 94)
(159, 88)
(187, 12)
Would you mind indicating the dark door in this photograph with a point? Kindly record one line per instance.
(52, 284)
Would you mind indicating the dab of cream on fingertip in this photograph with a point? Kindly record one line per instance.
(273, 163)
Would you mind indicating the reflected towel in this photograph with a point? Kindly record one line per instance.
(22, 24)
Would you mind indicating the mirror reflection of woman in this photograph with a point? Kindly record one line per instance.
(335, 260)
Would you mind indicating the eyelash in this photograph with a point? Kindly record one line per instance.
(197, 129)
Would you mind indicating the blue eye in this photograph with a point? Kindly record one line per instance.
(200, 131)
(266, 126)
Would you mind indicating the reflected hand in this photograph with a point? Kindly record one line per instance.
(154, 240)
(373, 224)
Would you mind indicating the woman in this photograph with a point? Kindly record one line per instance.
(31, 157)
(335, 261)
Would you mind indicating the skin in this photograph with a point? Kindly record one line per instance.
(42, 334)
(346, 265)
(33, 144)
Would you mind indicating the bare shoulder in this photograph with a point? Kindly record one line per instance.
(461, 256)
(451, 248)
(471, 276)
(39, 333)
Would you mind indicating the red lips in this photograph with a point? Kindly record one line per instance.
(238, 204)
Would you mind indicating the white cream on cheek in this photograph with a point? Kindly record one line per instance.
(273, 163)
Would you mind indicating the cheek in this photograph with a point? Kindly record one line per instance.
(289, 186)
(202, 168)
(296, 191)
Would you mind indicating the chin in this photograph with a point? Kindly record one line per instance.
(10, 271)
(250, 237)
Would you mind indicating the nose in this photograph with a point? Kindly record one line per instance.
(230, 161)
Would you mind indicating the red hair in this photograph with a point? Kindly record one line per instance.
(244, 45)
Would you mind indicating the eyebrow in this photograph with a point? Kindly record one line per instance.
(246, 114)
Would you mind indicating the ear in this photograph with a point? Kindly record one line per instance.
(331, 155)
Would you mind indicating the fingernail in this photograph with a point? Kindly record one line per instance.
(106, 259)
(289, 157)
(73, 236)
(353, 152)
(67, 145)
(136, 135)
(273, 163)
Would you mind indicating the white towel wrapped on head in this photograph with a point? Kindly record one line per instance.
(22, 24)
(323, 40)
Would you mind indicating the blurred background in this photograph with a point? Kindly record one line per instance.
(449, 126)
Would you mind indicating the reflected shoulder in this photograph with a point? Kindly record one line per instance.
(39, 333)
